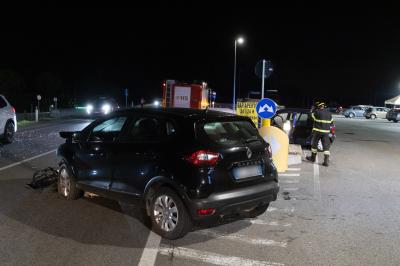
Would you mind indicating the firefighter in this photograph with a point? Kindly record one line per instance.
(321, 129)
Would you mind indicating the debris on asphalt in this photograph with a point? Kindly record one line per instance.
(45, 179)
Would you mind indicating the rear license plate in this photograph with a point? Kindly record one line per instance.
(247, 171)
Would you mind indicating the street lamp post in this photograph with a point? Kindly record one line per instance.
(239, 40)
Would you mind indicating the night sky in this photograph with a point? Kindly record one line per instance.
(332, 54)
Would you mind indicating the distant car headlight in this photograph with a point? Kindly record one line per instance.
(287, 127)
(106, 108)
(89, 108)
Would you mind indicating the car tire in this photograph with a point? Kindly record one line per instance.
(352, 115)
(66, 185)
(9, 132)
(373, 117)
(166, 202)
(257, 211)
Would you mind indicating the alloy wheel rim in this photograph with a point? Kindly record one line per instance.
(165, 213)
(64, 183)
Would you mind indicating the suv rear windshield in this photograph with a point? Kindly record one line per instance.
(228, 133)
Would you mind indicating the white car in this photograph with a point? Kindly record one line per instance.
(8, 121)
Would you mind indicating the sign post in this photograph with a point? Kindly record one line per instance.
(126, 97)
(55, 99)
(38, 97)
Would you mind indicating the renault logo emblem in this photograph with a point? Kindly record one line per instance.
(249, 153)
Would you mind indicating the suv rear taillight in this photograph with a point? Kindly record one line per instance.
(203, 158)
(13, 109)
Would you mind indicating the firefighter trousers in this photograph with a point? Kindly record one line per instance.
(326, 143)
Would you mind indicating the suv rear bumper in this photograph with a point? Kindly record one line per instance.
(234, 202)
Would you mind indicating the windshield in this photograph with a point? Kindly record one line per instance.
(228, 133)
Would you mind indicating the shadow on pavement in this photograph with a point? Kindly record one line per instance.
(90, 220)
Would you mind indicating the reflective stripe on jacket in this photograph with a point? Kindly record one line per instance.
(322, 121)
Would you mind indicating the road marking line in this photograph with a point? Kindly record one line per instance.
(150, 251)
(289, 181)
(291, 188)
(317, 185)
(279, 175)
(262, 222)
(212, 258)
(294, 169)
(272, 209)
(242, 238)
(26, 160)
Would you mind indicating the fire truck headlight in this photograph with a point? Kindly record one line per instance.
(156, 103)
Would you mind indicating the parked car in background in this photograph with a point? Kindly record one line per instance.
(376, 112)
(298, 123)
(8, 121)
(356, 111)
(393, 115)
(335, 109)
(187, 166)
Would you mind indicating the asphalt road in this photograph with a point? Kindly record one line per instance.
(346, 214)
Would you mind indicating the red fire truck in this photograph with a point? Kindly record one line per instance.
(185, 95)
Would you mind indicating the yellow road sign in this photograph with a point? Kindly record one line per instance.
(247, 109)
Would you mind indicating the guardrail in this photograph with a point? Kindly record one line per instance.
(54, 114)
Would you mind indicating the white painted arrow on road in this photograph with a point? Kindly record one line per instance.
(269, 109)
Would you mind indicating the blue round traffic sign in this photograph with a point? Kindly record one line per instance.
(266, 108)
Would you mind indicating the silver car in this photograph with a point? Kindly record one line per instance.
(355, 111)
(8, 121)
(376, 112)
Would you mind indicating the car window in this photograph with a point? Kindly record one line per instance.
(379, 109)
(302, 119)
(227, 133)
(108, 130)
(145, 129)
(2, 103)
(357, 108)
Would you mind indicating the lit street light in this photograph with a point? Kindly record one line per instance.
(239, 40)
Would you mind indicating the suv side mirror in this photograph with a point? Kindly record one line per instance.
(76, 137)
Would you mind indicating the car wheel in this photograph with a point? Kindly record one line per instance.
(66, 185)
(9, 132)
(168, 214)
(373, 116)
(257, 211)
(352, 115)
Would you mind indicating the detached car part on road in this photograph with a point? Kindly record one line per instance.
(186, 166)
(8, 121)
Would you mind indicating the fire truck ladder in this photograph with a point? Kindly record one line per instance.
(168, 94)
